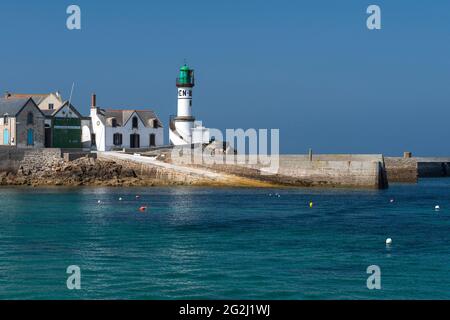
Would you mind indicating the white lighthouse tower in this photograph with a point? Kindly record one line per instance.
(183, 128)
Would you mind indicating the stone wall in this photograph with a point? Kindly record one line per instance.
(433, 167)
(74, 155)
(36, 160)
(410, 169)
(365, 172)
(360, 171)
(12, 158)
(37, 126)
(155, 172)
(401, 169)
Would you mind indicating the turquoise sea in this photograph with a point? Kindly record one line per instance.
(195, 243)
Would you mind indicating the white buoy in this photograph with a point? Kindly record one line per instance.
(437, 208)
(392, 200)
(99, 201)
(120, 199)
(388, 241)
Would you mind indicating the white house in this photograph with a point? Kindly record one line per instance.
(123, 128)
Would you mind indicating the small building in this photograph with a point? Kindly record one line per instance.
(21, 123)
(63, 127)
(124, 128)
(62, 120)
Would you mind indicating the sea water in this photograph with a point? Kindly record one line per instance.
(225, 243)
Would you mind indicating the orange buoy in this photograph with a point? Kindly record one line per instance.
(142, 208)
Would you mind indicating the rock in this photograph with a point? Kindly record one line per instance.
(82, 171)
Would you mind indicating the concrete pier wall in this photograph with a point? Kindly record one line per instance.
(401, 169)
(360, 171)
(156, 172)
(364, 171)
(10, 158)
(410, 169)
(433, 167)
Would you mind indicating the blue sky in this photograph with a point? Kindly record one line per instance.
(310, 68)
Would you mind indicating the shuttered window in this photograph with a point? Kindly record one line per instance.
(117, 137)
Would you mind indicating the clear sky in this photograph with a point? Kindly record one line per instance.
(310, 68)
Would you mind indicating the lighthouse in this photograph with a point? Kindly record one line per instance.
(183, 128)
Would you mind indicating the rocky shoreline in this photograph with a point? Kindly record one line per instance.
(88, 171)
(81, 172)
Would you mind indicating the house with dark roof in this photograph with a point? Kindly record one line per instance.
(124, 128)
(62, 119)
(45, 101)
(21, 123)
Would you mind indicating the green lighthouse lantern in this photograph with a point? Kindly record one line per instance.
(186, 77)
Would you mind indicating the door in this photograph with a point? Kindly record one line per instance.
(6, 137)
(152, 140)
(48, 137)
(134, 140)
(30, 137)
(93, 142)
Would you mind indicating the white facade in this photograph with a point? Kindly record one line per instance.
(86, 129)
(185, 122)
(184, 105)
(133, 130)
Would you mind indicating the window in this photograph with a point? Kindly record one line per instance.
(114, 122)
(155, 123)
(117, 139)
(30, 118)
(93, 139)
(51, 106)
(5, 119)
(134, 140)
(135, 123)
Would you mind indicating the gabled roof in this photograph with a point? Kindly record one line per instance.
(122, 116)
(53, 112)
(37, 98)
(71, 107)
(49, 113)
(14, 106)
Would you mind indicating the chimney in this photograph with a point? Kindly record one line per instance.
(94, 101)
